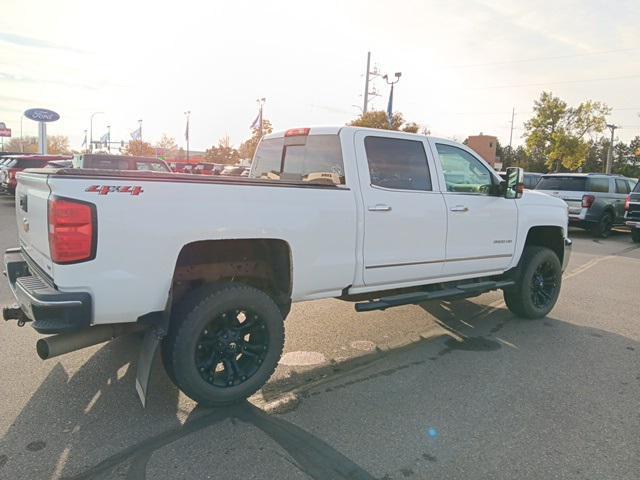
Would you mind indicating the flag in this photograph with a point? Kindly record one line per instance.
(186, 130)
(390, 107)
(257, 123)
(137, 134)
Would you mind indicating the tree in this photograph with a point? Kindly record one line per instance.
(223, 153)
(248, 147)
(139, 148)
(556, 134)
(167, 143)
(56, 145)
(379, 119)
(411, 127)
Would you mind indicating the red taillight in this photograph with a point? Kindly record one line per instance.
(627, 202)
(72, 231)
(297, 132)
(587, 201)
(12, 173)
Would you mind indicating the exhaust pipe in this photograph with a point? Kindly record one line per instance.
(62, 343)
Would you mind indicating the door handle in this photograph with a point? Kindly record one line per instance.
(379, 208)
(459, 208)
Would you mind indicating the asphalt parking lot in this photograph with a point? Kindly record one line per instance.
(445, 390)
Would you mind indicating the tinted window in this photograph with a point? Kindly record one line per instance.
(569, 184)
(637, 186)
(622, 186)
(151, 166)
(30, 163)
(306, 158)
(462, 171)
(397, 163)
(530, 181)
(598, 185)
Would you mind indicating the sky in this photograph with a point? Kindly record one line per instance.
(464, 64)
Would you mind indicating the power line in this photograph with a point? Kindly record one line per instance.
(563, 82)
(537, 59)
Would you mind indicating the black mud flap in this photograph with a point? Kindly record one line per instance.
(148, 351)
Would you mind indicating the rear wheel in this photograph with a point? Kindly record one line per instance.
(635, 235)
(226, 344)
(603, 228)
(537, 284)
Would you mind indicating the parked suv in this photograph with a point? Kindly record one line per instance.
(632, 215)
(596, 200)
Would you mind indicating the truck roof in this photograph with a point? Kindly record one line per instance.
(335, 130)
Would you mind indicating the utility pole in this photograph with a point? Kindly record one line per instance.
(140, 129)
(109, 138)
(513, 112)
(613, 128)
(366, 84)
(261, 102)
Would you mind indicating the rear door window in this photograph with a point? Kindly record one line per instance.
(397, 163)
(303, 158)
(622, 186)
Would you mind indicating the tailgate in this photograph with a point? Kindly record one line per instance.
(572, 199)
(634, 207)
(32, 195)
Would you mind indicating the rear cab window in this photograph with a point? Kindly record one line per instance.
(300, 158)
(397, 163)
(30, 163)
(151, 166)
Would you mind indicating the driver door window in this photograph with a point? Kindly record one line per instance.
(463, 173)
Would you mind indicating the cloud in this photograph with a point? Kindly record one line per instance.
(31, 42)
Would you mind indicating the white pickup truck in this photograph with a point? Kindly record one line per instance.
(208, 266)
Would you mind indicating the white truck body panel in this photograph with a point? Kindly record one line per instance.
(339, 240)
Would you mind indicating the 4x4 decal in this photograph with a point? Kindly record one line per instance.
(106, 189)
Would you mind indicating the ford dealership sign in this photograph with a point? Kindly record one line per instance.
(41, 115)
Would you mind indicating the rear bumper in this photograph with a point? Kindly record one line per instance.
(568, 247)
(632, 223)
(51, 310)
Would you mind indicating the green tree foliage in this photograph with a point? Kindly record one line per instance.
(248, 147)
(139, 148)
(223, 153)
(379, 119)
(557, 133)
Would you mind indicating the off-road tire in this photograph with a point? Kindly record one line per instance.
(602, 229)
(523, 298)
(194, 315)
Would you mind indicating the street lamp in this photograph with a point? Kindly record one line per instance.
(392, 83)
(186, 131)
(91, 130)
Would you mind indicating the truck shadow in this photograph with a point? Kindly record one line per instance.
(94, 414)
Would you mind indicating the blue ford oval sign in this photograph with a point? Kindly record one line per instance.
(41, 115)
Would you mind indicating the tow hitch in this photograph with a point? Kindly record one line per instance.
(14, 312)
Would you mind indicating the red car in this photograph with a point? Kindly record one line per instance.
(12, 165)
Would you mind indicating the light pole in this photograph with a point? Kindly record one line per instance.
(260, 104)
(390, 105)
(186, 131)
(109, 138)
(21, 139)
(140, 130)
(613, 128)
(91, 130)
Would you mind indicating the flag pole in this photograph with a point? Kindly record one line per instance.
(186, 133)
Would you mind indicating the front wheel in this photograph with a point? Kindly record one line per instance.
(226, 344)
(537, 284)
